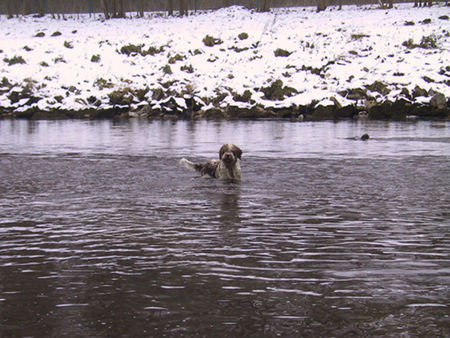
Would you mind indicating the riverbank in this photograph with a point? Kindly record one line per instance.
(231, 63)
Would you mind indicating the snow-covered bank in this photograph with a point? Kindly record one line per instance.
(231, 62)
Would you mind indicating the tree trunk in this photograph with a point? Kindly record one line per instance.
(9, 9)
(321, 5)
(25, 8)
(170, 7)
(264, 6)
(42, 9)
(182, 4)
(105, 9)
(141, 8)
(120, 13)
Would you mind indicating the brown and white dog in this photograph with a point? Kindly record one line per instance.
(226, 168)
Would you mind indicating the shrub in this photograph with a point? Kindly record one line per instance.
(355, 37)
(59, 59)
(167, 70)
(281, 53)
(277, 91)
(131, 49)
(210, 41)
(56, 33)
(68, 44)
(102, 83)
(243, 36)
(176, 58)
(95, 58)
(409, 44)
(188, 69)
(152, 51)
(122, 97)
(428, 42)
(14, 60)
(39, 35)
(44, 64)
(27, 49)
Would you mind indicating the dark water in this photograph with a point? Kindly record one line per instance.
(103, 234)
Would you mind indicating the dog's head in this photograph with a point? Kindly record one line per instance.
(230, 153)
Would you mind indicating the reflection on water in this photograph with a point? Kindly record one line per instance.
(103, 234)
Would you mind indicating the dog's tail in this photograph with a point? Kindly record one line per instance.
(188, 164)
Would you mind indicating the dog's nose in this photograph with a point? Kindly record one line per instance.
(227, 156)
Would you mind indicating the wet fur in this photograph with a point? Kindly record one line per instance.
(227, 167)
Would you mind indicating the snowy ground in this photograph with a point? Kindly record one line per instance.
(78, 63)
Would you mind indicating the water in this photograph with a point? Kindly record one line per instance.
(103, 234)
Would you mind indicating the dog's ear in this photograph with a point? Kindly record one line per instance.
(222, 150)
(236, 151)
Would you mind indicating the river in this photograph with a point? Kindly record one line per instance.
(104, 234)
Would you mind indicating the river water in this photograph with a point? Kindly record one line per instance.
(102, 233)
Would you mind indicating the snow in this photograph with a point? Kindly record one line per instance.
(353, 47)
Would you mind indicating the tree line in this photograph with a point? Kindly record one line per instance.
(119, 8)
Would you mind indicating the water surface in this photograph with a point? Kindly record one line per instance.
(103, 234)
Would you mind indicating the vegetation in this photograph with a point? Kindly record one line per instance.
(243, 36)
(427, 42)
(282, 52)
(14, 60)
(167, 70)
(95, 58)
(210, 41)
(133, 50)
(176, 58)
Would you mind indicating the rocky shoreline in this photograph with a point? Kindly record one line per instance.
(356, 103)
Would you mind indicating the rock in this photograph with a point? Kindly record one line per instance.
(212, 113)
(362, 115)
(380, 111)
(346, 112)
(379, 87)
(419, 92)
(245, 97)
(400, 109)
(356, 94)
(365, 137)
(323, 113)
(405, 92)
(46, 115)
(438, 101)
(277, 92)
(122, 97)
(248, 113)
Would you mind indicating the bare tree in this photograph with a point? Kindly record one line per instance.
(386, 3)
(419, 3)
(25, 7)
(113, 9)
(120, 12)
(42, 5)
(264, 6)
(105, 8)
(183, 10)
(9, 8)
(141, 8)
(321, 5)
(170, 7)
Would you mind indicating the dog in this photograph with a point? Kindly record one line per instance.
(227, 167)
